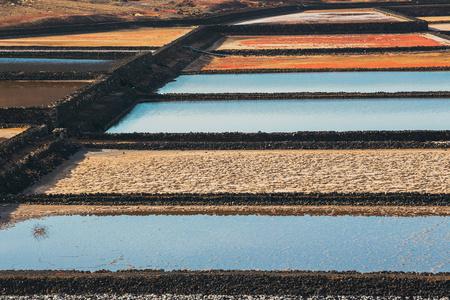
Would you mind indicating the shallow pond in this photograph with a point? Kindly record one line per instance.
(202, 242)
(364, 82)
(55, 65)
(287, 116)
(35, 93)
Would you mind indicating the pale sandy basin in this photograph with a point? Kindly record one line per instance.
(7, 133)
(440, 27)
(327, 16)
(117, 171)
(138, 37)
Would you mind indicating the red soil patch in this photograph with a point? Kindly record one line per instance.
(370, 61)
(331, 41)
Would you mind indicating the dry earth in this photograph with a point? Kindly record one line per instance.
(28, 13)
(150, 37)
(370, 61)
(327, 16)
(329, 41)
(114, 171)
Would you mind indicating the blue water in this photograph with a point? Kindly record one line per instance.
(229, 242)
(40, 61)
(52, 64)
(287, 116)
(365, 82)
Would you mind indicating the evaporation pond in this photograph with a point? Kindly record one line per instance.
(287, 116)
(200, 242)
(55, 65)
(364, 82)
(35, 93)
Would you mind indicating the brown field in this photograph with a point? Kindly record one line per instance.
(35, 93)
(366, 61)
(346, 171)
(145, 36)
(328, 41)
(440, 27)
(327, 16)
(7, 133)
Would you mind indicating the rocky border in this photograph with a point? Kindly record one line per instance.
(49, 75)
(325, 51)
(300, 136)
(283, 29)
(268, 145)
(287, 96)
(304, 283)
(18, 173)
(423, 9)
(235, 199)
(23, 139)
(308, 70)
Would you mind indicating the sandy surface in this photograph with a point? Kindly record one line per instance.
(13, 213)
(370, 61)
(329, 41)
(327, 16)
(145, 36)
(114, 171)
(7, 133)
(435, 19)
(440, 27)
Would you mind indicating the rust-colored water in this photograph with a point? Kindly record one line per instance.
(35, 93)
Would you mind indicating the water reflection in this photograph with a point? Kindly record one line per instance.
(35, 93)
(287, 116)
(326, 82)
(202, 242)
(54, 64)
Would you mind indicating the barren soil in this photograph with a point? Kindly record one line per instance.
(369, 61)
(13, 213)
(346, 171)
(150, 37)
(32, 13)
(7, 133)
(329, 41)
(327, 16)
